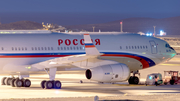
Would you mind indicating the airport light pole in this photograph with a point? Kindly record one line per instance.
(121, 26)
(154, 30)
(93, 28)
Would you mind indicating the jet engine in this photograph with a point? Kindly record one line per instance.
(109, 73)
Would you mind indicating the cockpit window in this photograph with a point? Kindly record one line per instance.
(167, 45)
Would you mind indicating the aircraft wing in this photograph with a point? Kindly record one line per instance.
(78, 60)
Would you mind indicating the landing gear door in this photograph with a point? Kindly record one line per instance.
(153, 47)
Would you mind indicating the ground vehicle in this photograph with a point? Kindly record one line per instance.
(171, 77)
(150, 80)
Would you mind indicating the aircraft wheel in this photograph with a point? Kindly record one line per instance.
(135, 80)
(43, 84)
(3, 81)
(27, 83)
(8, 81)
(57, 84)
(12, 82)
(18, 83)
(130, 80)
(49, 85)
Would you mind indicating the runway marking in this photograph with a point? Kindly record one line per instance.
(171, 64)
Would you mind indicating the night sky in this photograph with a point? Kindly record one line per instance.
(85, 11)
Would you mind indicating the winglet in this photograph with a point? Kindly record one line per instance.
(89, 46)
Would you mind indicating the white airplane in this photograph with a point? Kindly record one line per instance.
(106, 58)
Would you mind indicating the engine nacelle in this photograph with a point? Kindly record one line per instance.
(109, 73)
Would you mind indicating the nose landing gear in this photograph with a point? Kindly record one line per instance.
(134, 79)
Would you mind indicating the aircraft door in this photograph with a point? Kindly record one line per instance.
(153, 47)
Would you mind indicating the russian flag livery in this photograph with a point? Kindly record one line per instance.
(89, 45)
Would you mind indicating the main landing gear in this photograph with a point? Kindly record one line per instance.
(15, 82)
(134, 79)
(21, 82)
(51, 84)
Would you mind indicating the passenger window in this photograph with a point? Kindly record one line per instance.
(35, 48)
(2, 48)
(41, 48)
(126, 47)
(67, 48)
(70, 48)
(51, 48)
(138, 47)
(141, 47)
(80, 48)
(15, 48)
(48, 48)
(19, 48)
(129, 47)
(12, 48)
(64, 48)
(45, 48)
(74, 48)
(25, 48)
(135, 47)
(146, 47)
(132, 47)
(58, 48)
(61, 48)
(22, 48)
(77, 48)
(120, 47)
